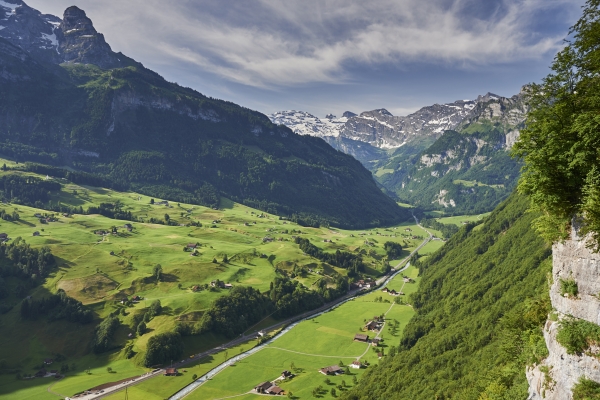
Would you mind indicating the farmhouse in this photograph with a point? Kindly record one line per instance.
(356, 364)
(36, 233)
(3, 237)
(372, 326)
(48, 361)
(375, 342)
(384, 290)
(129, 227)
(192, 245)
(170, 372)
(41, 373)
(408, 280)
(361, 338)
(276, 390)
(286, 374)
(332, 370)
(263, 387)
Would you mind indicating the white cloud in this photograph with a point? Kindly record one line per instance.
(266, 43)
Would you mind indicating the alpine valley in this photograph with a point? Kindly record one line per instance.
(454, 157)
(158, 243)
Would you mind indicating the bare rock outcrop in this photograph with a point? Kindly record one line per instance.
(556, 376)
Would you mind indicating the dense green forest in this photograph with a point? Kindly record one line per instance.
(560, 144)
(481, 303)
(475, 187)
(128, 128)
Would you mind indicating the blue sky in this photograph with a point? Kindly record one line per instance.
(336, 55)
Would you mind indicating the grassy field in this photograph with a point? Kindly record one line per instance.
(317, 343)
(99, 269)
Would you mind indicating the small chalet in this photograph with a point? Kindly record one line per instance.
(41, 373)
(192, 245)
(392, 292)
(195, 288)
(262, 333)
(407, 279)
(263, 387)
(286, 374)
(372, 326)
(36, 233)
(162, 203)
(227, 286)
(267, 239)
(3, 237)
(379, 355)
(48, 361)
(361, 338)
(136, 298)
(375, 342)
(384, 290)
(275, 390)
(356, 364)
(170, 372)
(129, 227)
(37, 215)
(332, 370)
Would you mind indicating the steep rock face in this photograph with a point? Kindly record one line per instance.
(49, 39)
(556, 376)
(80, 43)
(29, 29)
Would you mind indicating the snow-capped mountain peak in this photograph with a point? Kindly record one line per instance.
(380, 128)
(304, 123)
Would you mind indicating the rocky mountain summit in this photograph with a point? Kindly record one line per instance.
(49, 39)
(379, 128)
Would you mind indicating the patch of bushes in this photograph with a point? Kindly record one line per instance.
(586, 389)
(569, 287)
(576, 335)
(163, 348)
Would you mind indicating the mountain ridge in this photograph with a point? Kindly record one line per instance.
(81, 105)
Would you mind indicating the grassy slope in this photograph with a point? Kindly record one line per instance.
(326, 339)
(476, 322)
(89, 273)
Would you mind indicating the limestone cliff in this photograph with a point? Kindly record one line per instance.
(556, 376)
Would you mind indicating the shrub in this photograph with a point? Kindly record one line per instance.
(569, 287)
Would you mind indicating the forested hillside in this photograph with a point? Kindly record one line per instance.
(480, 306)
(137, 131)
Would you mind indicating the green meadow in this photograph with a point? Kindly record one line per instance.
(316, 343)
(99, 270)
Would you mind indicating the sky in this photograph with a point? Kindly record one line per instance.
(331, 56)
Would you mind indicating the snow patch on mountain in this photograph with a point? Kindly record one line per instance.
(304, 123)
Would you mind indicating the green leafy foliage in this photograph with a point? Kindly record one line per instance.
(55, 307)
(232, 314)
(163, 348)
(393, 250)
(560, 144)
(480, 307)
(342, 259)
(576, 335)
(586, 389)
(569, 287)
(103, 334)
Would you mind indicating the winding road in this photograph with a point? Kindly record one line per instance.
(246, 337)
